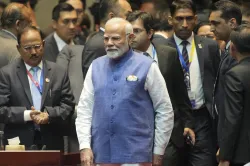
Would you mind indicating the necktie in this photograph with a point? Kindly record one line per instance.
(184, 43)
(36, 95)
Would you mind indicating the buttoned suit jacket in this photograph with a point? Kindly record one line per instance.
(15, 97)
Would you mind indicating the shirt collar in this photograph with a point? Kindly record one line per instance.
(10, 33)
(60, 43)
(178, 40)
(150, 50)
(102, 29)
(228, 44)
(28, 67)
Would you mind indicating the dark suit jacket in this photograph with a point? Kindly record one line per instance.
(209, 59)
(15, 97)
(70, 59)
(235, 142)
(172, 72)
(219, 94)
(93, 49)
(159, 40)
(50, 48)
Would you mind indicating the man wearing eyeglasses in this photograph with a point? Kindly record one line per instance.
(36, 101)
(64, 23)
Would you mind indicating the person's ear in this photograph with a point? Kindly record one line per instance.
(150, 33)
(18, 48)
(196, 19)
(170, 20)
(43, 43)
(111, 15)
(54, 24)
(232, 23)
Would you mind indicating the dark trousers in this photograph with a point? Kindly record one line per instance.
(203, 153)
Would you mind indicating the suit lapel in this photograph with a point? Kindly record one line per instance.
(22, 75)
(47, 77)
(200, 54)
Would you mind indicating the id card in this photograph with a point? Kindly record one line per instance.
(191, 96)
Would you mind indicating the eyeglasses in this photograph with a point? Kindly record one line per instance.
(28, 49)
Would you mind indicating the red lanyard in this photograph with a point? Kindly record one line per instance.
(34, 81)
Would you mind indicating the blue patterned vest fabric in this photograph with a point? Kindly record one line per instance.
(123, 114)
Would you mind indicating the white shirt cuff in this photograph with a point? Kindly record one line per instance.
(26, 115)
(159, 150)
(85, 146)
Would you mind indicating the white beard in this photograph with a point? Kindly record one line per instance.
(113, 54)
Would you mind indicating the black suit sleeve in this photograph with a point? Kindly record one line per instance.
(215, 56)
(8, 114)
(66, 106)
(181, 95)
(233, 115)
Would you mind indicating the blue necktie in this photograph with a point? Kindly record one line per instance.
(185, 52)
(36, 95)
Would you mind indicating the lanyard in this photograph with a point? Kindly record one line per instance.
(39, 87)
(184, 65)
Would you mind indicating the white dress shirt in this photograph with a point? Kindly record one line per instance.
(152, 52)
(60, 43)
(155, 85)
(39, 72)
(195, 74)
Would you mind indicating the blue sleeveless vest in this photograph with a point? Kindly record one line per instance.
(123, 115)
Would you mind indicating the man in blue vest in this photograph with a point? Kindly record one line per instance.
(125, 116)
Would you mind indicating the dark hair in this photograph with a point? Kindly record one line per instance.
(201, 24)
(229, 10)
(83, 2)
(161, 16)
(61, 7)
(2, 4)
(241, 38)
(182, 4)
(107, 6)
(11, 14)
(145, 17)
(26, 29)
(86, 21)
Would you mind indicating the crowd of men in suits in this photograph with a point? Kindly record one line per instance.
(151, 86)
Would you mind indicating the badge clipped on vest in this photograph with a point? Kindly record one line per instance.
(132, 78)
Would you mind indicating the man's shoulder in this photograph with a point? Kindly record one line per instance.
(11, 67)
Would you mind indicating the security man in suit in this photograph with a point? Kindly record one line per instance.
(36, 101)
(200, 60)
(167, 59)
(235, 132)
(94, 47)
(224, 18)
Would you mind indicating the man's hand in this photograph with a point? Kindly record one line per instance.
(43, 118)
(157, 160)
(224, 163)
(33, 114)
(190, 132)
(87, 157)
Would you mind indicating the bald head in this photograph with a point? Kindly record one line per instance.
(117, 36)
(15, 14)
